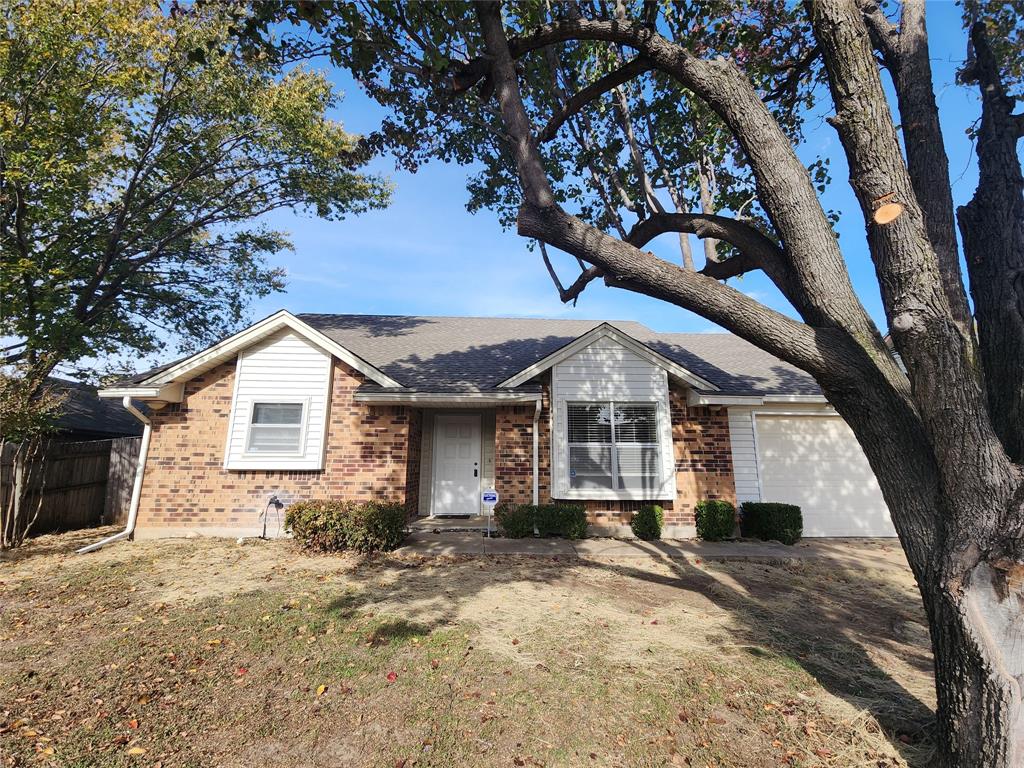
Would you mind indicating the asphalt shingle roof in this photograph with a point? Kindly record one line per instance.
(474, 353)
(453, 354)
(84, 412)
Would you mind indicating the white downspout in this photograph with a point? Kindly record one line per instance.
(133, 507)
(536, 452)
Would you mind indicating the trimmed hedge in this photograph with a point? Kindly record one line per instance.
(648, 522)
(326, 525)
(716, 519)
(771, 521)
(520, 520)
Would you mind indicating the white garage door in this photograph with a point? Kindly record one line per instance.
(816, 462)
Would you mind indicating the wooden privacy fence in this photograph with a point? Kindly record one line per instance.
(124, 459)
(81, 484)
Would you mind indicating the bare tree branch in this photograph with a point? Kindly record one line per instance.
(941, 357)
(587, 275)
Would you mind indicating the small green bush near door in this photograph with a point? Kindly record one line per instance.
(771, 521)
(716, 519)
(327, 525)
(648, 522)
(515, 520)
(520, 520)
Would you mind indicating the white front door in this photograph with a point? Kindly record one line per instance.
(456, 464)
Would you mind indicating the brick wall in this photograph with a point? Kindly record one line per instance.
(513, 451)
(703, 454)
(187, 487)
(412, 463)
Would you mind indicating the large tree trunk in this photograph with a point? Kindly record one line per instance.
(972, 587)
(979, 667)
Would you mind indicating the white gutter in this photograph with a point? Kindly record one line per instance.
(140, 470)
(536, 451)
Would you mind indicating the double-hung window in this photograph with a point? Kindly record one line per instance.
(276, 428)
(613, 446)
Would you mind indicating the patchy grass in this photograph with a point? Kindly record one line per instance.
(201, 652)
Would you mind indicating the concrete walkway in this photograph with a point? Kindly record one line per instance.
(849, 553)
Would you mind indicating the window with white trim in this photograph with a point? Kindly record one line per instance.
(276, 428)
(613, 446)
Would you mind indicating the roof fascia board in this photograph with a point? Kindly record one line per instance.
(262, 329)
(795, 399)
(609, 331)
(171, 393)
(444, 398)
(704, 398)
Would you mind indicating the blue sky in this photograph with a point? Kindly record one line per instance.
(426, 254)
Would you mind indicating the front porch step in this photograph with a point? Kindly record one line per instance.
(466, 524)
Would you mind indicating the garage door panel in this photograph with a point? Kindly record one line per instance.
(816, 462)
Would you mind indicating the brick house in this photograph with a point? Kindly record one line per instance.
(429, 411)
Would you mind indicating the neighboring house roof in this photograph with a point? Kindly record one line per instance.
(474, 354)
(84, 413)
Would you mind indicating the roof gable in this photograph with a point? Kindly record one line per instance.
(608, 331)
(229, 348)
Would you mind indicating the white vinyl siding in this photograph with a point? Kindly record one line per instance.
(276, 380)
(809, 457)
(744, 455)
(606, 372)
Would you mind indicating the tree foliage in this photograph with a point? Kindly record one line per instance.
(138, 150)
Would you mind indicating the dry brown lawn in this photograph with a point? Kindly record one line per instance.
(211, 653)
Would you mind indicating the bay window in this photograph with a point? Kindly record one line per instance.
(613, 446)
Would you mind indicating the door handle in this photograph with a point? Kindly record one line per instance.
(475, 472)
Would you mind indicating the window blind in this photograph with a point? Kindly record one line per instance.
(613, 446)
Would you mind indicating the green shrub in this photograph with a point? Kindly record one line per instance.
(318, 525)
(573, 521)
(375, 526)
(329, 526)
(770, 521)
(521, 520)
(716, 519)
(647, 522)
(516, 520)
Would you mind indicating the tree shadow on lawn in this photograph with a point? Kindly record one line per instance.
(816, 634)
(826, 635)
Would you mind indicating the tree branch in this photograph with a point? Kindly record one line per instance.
(884, 34)
(743, 236)
(623, 74)
(820, 288)
(905, 53)
(622, 263)
(587, 275)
